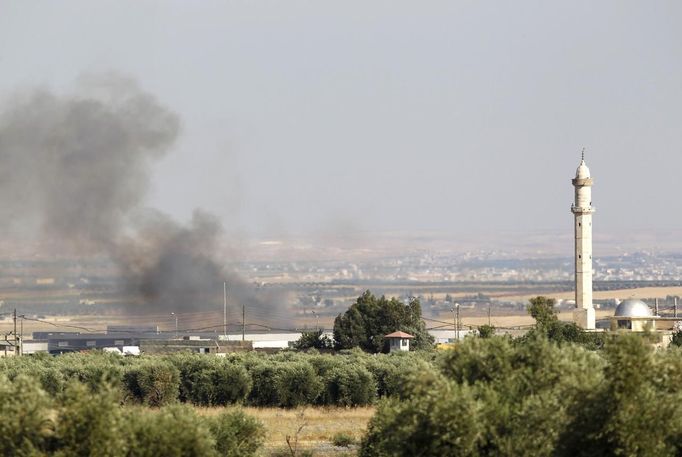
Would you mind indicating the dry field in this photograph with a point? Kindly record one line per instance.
(511, 318)
(317, 426)
(622, 294)
(474, 317)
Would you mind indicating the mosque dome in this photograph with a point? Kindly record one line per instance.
(633, 308)
(582, 172)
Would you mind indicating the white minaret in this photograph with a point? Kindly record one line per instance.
(582, 209)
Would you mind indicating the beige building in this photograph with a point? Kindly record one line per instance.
(398, 341)
(636, 316)
(633, 315)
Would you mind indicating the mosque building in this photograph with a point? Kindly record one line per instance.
(631, 314)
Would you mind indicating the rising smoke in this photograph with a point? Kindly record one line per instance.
(75, 170)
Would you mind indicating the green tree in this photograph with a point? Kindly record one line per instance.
(542, 310)
(27, 424)
(366, 322)
(314, 339)
(89, 423)
(486, 331)
(547, 325)
(297, 384)
(491, 397)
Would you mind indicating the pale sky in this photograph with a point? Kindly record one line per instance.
(460, 116)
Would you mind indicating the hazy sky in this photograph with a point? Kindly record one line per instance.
(301, 116)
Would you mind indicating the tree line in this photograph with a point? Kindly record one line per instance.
(82, 422)
(531, 396)
(287, 379)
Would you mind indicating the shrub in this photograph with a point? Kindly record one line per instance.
(96, 370)
(343, 440)
(172, 431)
(478, 360)
(391, 372)
(323, 364)
(89, 423)
(51, 379)
(349, 385)
(497, 397)
(221, 383)
(192, 369)
(297, 384)
(154, 383)
(236, 434)
(232, 384)
(264, 391)
(26, 426)
(436, 420)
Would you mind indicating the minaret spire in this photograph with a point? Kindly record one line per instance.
(582, 210)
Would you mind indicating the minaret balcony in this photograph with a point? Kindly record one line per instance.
(582, 209)
(581, 182)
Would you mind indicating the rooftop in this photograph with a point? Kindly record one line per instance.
(398, 335)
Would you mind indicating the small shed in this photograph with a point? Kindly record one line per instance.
(398, 341)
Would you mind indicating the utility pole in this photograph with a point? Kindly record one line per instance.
(243, 321)
(674, 306)
(458, 320)
(225, 308)
(656, 307)
(317, 317)
(489, 322)
(16, 336)
(454, 321)
(21, 335)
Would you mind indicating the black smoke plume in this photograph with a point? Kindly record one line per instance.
(74, 169)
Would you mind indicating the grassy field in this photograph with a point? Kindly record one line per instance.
(313, 427)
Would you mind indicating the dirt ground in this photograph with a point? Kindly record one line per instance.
(311, 428)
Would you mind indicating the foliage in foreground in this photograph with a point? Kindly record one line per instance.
(82, 422)
(499, 397)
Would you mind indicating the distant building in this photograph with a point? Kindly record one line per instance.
(198, 345)
(63, 343)
(29, 347)
(636, 316)
(633, 315)
(398, 341)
